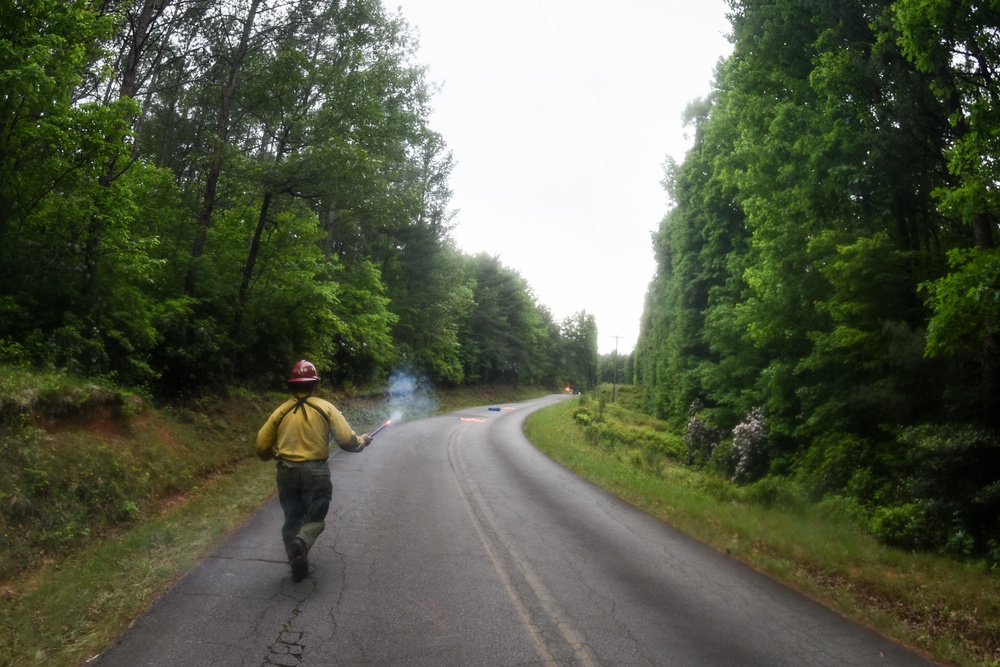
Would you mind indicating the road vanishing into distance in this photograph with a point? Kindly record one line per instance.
(453, 541)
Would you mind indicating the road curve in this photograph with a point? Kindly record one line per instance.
(452, 541)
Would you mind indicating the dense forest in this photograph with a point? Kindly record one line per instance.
(826, 307)
(198, 193)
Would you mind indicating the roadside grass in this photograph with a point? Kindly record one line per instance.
(107, 501)
(947, 609)
(73, 603)
(76, 606)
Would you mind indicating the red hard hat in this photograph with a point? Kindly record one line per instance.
(303, 373)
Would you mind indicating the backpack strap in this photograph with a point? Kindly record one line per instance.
(299, 403)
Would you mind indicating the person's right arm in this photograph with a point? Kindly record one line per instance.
(267, 436)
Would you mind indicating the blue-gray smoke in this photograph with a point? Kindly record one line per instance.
(409, 396)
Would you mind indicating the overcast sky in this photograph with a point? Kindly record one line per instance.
(560, 115)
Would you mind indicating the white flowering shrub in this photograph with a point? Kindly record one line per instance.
(749, 445)
(700, 437)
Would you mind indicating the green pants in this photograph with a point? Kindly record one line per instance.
(304, 491)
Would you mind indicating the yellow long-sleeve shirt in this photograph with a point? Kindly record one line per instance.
(301, 430)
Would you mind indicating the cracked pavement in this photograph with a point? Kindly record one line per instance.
(454, 542)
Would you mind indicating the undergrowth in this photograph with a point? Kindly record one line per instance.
(107, 499)
(947, 606)
(80, 459)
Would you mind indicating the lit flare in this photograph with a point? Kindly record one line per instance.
(376, 431)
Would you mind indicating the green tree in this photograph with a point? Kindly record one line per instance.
(73, 258)
(691, 349)
(837, 198)
(505, 326)
(325, 120)
(579, 345)
(955, 44)
(194, 193)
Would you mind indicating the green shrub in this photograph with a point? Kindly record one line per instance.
(608, 436)
(900, 525)
(97, 469)
(777, 493)
(951, 470)
(638, 461)
(723, 460)
(827, 465)
(993, 555)
(649, 440)
(718, 488)
(840, 508)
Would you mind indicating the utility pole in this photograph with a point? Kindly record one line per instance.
(614, 371)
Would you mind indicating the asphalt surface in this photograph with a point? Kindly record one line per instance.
(452, 541)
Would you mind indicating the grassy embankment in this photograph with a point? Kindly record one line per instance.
(159, 488)
(949, 610)
(106, 500)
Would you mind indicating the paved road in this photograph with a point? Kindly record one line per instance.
(454, 542)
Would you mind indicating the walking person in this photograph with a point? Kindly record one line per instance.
(298, 434)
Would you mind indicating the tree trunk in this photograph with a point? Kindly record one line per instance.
(982, 231)
(331, 234)
(251, 263)
(220, 141)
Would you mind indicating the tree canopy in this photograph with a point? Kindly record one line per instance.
(200, 193)
(829, 259)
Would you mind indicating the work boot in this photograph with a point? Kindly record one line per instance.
(299, 561)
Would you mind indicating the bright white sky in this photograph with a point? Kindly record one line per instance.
(560, 115)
